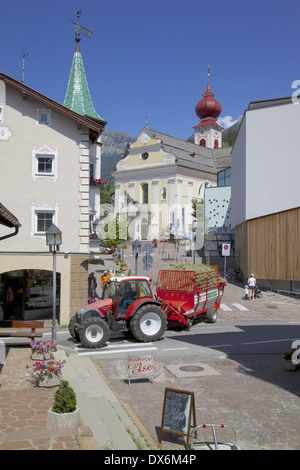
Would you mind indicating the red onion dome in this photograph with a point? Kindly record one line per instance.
(208, 107)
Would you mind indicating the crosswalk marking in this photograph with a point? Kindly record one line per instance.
(225, 308)
(93, 353)
(241, 307)
(228, 309)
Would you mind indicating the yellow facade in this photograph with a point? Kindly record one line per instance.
(156, 183)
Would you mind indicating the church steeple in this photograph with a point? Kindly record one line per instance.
(77, 95)
(208, 131)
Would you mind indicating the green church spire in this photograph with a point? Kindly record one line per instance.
(77, 95)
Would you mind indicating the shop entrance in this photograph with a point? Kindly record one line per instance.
(27, 295)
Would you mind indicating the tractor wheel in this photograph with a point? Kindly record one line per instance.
(211, 314)
(72, 331)
(93, 333)
(149, 323)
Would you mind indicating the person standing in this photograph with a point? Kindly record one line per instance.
(92, 285)
(104, 279)
(252, 286)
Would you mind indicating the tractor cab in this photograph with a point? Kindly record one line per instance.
(124, 291)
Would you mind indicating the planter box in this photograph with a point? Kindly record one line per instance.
(49, 381)
(289, 365)
(62, 420)
(40, 355)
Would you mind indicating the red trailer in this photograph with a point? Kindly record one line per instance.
(189, 295)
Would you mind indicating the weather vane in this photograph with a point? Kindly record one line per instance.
(208, 70)
(79, 29)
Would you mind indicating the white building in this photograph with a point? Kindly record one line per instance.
(46, 150)
(265, 192)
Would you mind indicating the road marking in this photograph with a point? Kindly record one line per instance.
(174, 349)
(271, 341)
(93, 353)
(241, 307)
(225, 308)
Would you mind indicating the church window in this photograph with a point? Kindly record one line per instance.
(145, 193)
(203, 143)
(145, 155)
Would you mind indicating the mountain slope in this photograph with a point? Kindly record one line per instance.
(114, 145)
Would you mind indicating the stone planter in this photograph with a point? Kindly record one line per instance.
(289, 365)
(49, 381)
(62, 420)
(40, 355)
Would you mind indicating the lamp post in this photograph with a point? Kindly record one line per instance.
(136, 249)
(54, 240)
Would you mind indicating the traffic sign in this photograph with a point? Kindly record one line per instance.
(147, 249)
(225, 249)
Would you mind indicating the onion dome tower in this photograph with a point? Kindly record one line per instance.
(208, 133)
(78, 97)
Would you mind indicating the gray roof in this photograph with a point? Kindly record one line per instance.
(191, 155)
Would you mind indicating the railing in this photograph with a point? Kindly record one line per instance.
(288, 293)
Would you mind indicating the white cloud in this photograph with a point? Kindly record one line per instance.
(226, 121)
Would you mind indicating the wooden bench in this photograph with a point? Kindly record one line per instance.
(18, 324)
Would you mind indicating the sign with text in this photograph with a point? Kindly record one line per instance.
(139, 365)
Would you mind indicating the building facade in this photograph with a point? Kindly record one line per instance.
(265, 193)
(160, 177)
(45, 150)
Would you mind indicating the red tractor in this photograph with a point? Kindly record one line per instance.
(182, 297)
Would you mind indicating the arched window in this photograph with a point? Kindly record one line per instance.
(216, 144)
(203, 143)
(145, 193)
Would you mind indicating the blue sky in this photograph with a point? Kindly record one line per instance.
(148, 59)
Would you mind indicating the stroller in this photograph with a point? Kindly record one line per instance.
(258, 292)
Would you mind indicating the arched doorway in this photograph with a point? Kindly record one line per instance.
(27, 294)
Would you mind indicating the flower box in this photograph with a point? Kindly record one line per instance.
(41, 350)
(46, 374)
(289, 365)
(40, 355)
(62, 420)
(49, 381)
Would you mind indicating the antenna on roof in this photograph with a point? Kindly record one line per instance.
(26, 54)
(79, 29)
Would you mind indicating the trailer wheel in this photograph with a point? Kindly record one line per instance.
(211, 315)
(149, 323)
(94, 332)
(72, 330)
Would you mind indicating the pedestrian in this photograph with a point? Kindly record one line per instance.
(246, 292)
(92, 285)
(105, 280)
(252, 285)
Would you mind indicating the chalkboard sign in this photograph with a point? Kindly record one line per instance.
(178, 408)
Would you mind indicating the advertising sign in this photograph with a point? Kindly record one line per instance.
(139, 365)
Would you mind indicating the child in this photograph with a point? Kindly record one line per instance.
(246, 292)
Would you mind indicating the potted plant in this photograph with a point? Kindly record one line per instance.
(289, 362)
(41, 350)
(123, 266)
(46, 374)
(64, 412)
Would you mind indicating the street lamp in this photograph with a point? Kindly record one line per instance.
(54, 240)
(136, 249)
